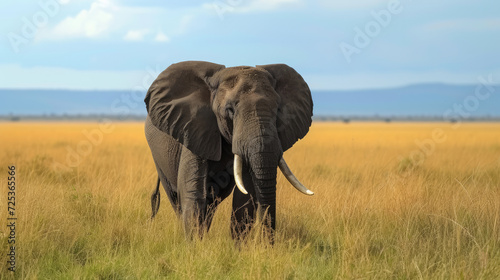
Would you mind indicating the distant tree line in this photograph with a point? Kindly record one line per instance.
(72, 117)
(388, 119)
(320, 118)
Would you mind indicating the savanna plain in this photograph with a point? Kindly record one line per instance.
(392, 201)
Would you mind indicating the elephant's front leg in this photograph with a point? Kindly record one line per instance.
(192, 189)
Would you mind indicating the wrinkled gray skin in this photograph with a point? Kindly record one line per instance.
(200, 114)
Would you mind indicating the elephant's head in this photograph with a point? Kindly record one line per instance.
(260, 111)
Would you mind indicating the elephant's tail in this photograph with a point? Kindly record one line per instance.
(155, 199)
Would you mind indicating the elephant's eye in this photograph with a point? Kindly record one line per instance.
(230, 112)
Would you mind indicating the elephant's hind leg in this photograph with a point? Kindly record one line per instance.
(192, 186)
(166, 152)
(171, 193)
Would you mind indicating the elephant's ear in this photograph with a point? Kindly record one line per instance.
(296, 108)
(178, 103)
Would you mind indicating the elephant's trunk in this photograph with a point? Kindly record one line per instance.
(256, 142)
(263, 165)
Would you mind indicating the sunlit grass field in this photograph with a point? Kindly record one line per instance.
(391, 202)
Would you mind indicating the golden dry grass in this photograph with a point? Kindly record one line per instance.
(384, 208)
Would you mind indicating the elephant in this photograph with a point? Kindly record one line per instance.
(211, 128)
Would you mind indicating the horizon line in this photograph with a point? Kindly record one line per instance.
(312, 89)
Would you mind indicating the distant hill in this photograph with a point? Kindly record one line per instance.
(415, 100)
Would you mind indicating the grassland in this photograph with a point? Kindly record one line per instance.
(386, 207)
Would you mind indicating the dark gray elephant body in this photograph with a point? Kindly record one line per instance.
(216, 184)
(201, 115)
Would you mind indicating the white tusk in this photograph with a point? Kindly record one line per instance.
(292, 179)
(238, 171)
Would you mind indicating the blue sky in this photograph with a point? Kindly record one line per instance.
(124, 44)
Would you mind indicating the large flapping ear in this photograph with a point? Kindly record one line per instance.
(296, 108)
(178, 103)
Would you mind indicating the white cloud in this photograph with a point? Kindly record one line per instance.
(91, 23)
(248, 6)
(161, 37)
(263, 5)
(110, 19)
(136, 35)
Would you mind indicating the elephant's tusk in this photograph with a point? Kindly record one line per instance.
(292, 179)
(238, 171)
